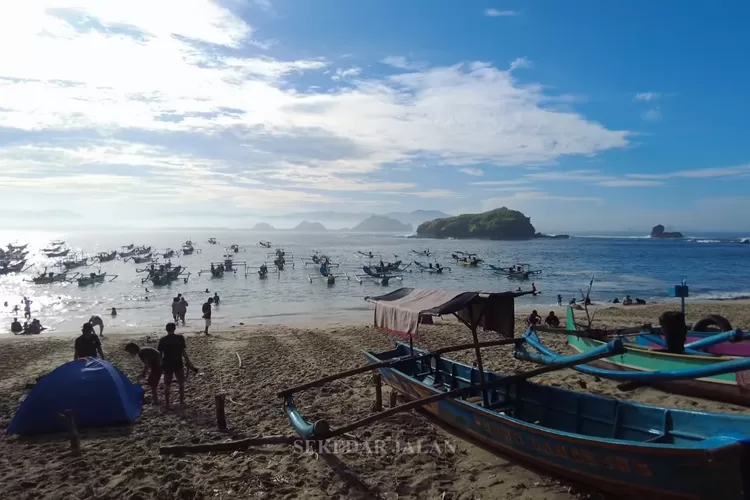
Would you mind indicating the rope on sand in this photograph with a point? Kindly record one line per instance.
(239, 359)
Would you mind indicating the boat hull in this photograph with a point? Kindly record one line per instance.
(611, 465)
(738, 349)
(723, 387)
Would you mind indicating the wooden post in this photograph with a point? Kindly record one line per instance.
(393, 401)
(221, 418)
(376, 378)
(75, 441)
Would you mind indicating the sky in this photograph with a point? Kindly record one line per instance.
(584, 115)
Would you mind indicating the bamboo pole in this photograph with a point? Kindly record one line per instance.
(377, 380)
(221, 418)
(240, 444)
(75, 440)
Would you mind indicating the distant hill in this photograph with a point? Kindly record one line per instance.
(380, 223)
(499, 224)
(417, 217)
(414, 218)
(309, 226)
(262, 226)
(658, 232)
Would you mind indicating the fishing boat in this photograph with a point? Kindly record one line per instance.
(163, 276)
(169, 253)
(74, 263)
(702, 329)
(326, 274)
(429, 268)
(57, 253)
(518, 271)
(382, 277)
(211, 241)
(712, 377)
(467, 259)
(228, 265)
(141, 259)
(264, 244)
(17, 248)
(387, 267)
(94, 278)
(45, 278)
(236, 248)
(369, 255)
(423, 253)
(128, 253)
(189, 249)
(7, 267)
(106, 256)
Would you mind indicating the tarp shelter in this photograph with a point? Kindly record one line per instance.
(400, 311)
(99, 394)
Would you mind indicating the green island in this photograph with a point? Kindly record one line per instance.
(498, 224)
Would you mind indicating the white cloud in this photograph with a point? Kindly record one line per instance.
(475, 172)
(520, 63)
(500, 13)
(652, 115)
(93, 87)
(698, 173)
(520, 198)
(500, 183)
(647, 96)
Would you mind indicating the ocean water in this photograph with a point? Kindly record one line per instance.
(640, 267)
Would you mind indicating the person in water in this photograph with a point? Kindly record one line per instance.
(182, 310)
(173, 351)
(16, 327)
(151, 359)
(628, 301)
(114, 312)
(97, 321)
(27, 307)
(207, 313)
(552, 320)
(175, 304)
(216, 299)
(559, 299)
(88, 344)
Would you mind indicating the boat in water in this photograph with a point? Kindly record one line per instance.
(519, 271)
(467, 259)
(94, 278)
(265, 244)
(430, 268)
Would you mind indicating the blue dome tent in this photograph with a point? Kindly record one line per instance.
(99, 394)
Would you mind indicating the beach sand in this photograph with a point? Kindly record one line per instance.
(124, 463)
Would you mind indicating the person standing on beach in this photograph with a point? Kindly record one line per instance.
(151, 359)
(175, 304)
(97, 321)
(207, 312)
(182, 310)
(88, 344)
(172, 348)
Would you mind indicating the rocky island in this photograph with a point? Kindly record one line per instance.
(379, 223)
(262, 226)
(658, 232)
(309, 226)
(499, 224)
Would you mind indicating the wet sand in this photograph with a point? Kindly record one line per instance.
(124, 463)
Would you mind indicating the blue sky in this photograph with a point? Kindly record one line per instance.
(585, 115)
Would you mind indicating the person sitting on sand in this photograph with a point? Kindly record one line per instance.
(88, 344)
(16, 327)
(628, 301)
(207, 312)
(35, 328)
(151, 359)
(182, 310)
(216, 299)
(97, 321)
(552, 320)
(172, 348)
(533, 319)
(616, 300)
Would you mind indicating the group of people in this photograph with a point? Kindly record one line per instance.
(33, 328)
(552, 320)
(180, 305)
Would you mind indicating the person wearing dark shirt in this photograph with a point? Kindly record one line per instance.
(533, 319)
(97, 321)
(172, 349)
(552, 320)
(88, 344)
(207, 313)
(16, 327)
(151, 359)
(216, 299)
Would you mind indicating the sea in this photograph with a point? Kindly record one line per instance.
(714, 267)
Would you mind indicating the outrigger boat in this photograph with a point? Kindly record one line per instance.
(280, 258)
(169, 253)
(93, 278)
(212, 241)
(45, 278)
(317, 259)
(429, 268)
(369, 255)
(57, 253)
(17, 248)
(517, 271)
(106, 256)
(165, 276)
(326, 274)
(141, 259)
(383, 277)
(713, 377)
(7, 267)
(189, 249)
(467, 259)
(75, 263)
(265, 244)
(423, 253)
(236, 248)
(218, 269)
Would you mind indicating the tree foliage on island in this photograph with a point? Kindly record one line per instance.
(499, 224)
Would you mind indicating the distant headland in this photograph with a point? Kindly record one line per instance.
(262, 226)
(380, 223)
(499, 224)
(310, 226)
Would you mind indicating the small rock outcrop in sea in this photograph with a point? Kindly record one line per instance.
(310, 226)
(262, 226)
(552, 236)
(499, 224)
(381, 223)
(658, 232)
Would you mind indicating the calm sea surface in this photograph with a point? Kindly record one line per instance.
(640, 267)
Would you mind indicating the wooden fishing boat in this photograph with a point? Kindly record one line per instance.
(423, 253)
(94, 278)
(265, 244)
(46, 278)
(617, 446)
(58, 253)
(382, 277)
(12, 267)
(736, 348)
(467, 259)
(712, 377)
(429, 268)
(212, 241)
(518, 271)
(106, 256)
(326, 274)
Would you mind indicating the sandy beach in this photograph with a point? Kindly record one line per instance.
(419, 458)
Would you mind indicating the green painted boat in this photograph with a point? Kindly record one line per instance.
(728, 387)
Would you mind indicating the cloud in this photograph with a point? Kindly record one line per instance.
(186, 107)
(520, 63)
(699, 173)
(647, 96)
(499, 183)
(630, 183)
(500, 13)
(533, 196)
(476, 172)
(652, 115)
(401, 62)
(591, 176)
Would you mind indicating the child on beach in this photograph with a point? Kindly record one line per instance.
(172, 349)
(151, 359)
(207, 313)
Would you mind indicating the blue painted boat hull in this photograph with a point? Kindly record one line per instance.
(614, 445)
